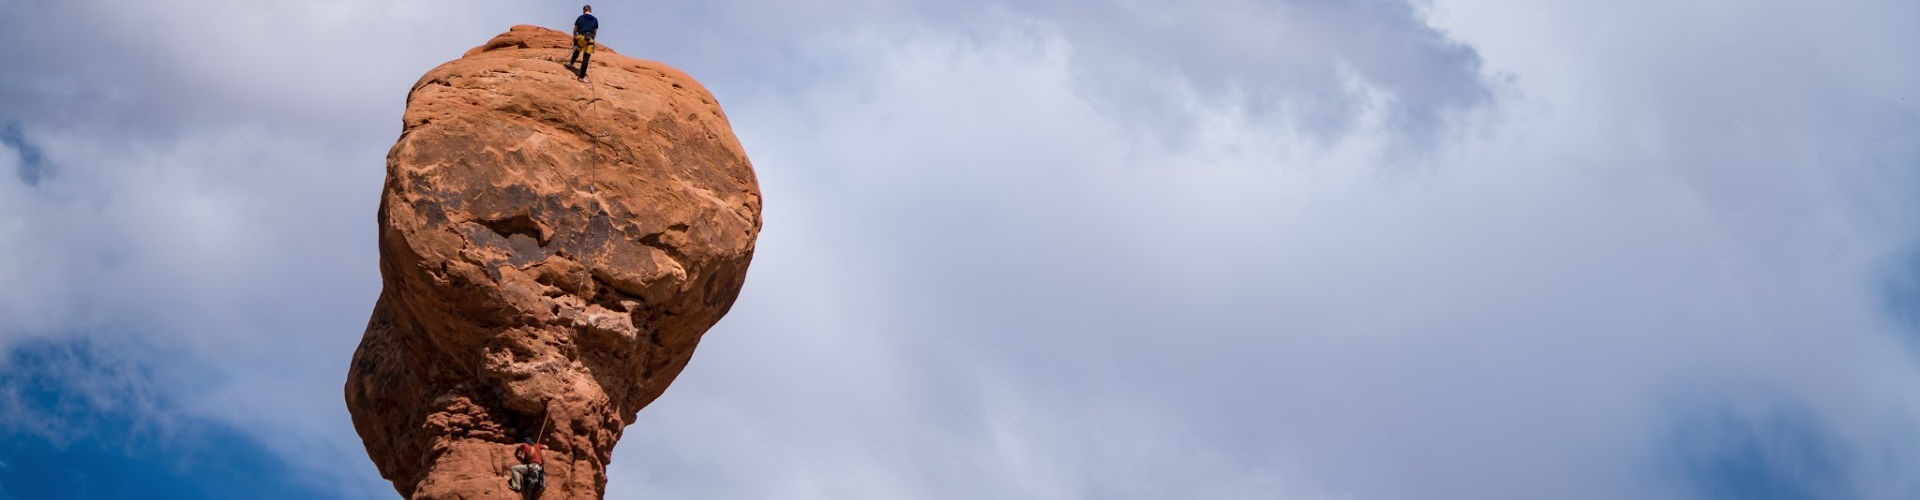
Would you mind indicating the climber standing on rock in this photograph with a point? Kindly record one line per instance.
(584, 27)
(531, 475)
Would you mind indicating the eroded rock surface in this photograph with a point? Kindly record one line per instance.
(551, 251)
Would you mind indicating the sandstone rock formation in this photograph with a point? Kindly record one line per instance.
(551, 253)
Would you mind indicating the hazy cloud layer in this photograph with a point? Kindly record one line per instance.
(1083, 250)
(1308, 65)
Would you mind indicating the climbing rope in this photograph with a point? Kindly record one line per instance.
(593, 167)
(593, 158)
(546, 410)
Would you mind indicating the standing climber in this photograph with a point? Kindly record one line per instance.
(531, 475)
(584, 27)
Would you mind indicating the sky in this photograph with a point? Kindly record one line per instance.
(1049, 249)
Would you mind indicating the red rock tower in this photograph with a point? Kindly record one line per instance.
(551, 252)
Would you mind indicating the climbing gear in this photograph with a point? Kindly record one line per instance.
(583, 51)
(534, 481)
(583, 43)
(530, 477)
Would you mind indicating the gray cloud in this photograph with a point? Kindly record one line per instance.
(1312, 65)
(28, 164)
(1310, 62)
(1058, 250)
(1071, 313)
(211, 171)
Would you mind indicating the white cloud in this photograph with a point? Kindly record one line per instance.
(1529, 316)
(982, 275)
(212, 170)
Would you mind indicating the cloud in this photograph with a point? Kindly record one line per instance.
(1053, 249)
(26, 161)
(1297, 62)
(213, 171)
(1513, 322)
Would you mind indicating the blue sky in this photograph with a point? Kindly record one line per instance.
(1107, 249)
(88, 423)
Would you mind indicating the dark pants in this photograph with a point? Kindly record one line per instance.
(582, 69)
(585, 57)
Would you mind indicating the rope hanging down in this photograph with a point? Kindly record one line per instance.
(593, 167)
(593, 154)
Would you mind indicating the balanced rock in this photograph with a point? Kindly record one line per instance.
(551, 253)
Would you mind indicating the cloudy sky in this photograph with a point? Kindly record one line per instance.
(1048, 249)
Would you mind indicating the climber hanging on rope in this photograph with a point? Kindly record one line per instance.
(584, 28)
(531, 475)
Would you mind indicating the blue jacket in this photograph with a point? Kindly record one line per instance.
(586, 24)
